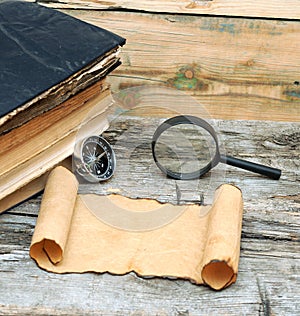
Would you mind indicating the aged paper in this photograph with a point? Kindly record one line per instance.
(201, 248)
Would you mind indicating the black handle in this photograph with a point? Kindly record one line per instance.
(272, 173)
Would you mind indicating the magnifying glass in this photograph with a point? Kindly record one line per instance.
(186, 147)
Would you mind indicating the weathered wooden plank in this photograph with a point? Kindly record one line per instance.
(267, 282)
(255, 69)
(225, 63)
(269, 271)
(288, 9)
(272, 143)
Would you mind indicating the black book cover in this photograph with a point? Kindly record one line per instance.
(41, 47)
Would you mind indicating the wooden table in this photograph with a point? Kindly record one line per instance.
(241, 61)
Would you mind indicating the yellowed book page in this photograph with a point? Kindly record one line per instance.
(29, 189)
(48, 149)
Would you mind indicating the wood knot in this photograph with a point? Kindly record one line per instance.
(199, 3)
(187, 78)
(250, 63)
(293, 93)
(288, 140)
(291, 140)
(128, 98)
(189, 74)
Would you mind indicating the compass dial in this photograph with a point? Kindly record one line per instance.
(97, 159)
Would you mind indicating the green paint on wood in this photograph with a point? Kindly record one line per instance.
(187, 78)
(293, 93)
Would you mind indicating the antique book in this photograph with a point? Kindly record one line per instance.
(52, 74)
(47, 56)
(37, 146)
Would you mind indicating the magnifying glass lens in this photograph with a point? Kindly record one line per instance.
(185, 148)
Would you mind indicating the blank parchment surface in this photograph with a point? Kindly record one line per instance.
(200, 246)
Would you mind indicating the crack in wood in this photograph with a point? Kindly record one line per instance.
(292, 197)
(265, 305)
(253, 236)
(15, 213)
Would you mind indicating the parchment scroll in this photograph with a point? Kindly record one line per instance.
(201, 248)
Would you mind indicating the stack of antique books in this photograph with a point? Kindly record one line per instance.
(52, 72)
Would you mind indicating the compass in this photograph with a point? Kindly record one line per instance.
(97, 159)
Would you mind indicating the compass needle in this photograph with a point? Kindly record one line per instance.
(98, 159)
(100, 156)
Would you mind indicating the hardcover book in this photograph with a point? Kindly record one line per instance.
(52, 73)
(45, 57)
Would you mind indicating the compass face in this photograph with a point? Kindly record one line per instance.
(97, 159)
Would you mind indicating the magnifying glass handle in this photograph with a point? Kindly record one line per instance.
(272, 173)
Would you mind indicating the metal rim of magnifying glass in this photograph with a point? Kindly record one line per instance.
(186, 119)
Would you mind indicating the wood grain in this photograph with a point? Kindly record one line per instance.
(237, 68)
(288, 9)
(273, 144)
(269, 267)
(267, 283)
